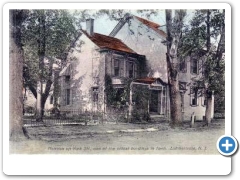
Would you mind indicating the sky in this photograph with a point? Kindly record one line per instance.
(103, 24)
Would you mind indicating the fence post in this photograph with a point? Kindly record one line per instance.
(192, 119)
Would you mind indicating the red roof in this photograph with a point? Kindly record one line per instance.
(149, 80)
(104, 41)
(146, 80)
(152, 25)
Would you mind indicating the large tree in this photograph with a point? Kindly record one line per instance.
(16, 60)
(205, 38)
(174, 26)
(48, 38)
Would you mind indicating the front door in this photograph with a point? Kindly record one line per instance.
(157, 104)
(153, 105)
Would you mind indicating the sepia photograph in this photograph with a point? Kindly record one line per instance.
(116, 81)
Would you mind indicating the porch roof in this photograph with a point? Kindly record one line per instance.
(150, 80)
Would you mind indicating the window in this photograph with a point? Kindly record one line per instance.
(119, 95)
(183, 66)
(95, 94)
(182, 101)
(203, 68)
(51, 99)
(194, 66)
(182, 86)
(130, 70)
(67, 96)
(67, 78)
(194, 96)
(116, 67)
(204, 100)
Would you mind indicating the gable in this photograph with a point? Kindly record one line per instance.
(152, 25)
(149, 24)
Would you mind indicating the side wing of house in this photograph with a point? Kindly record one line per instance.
(145, 37)
(145, 40)
(193, 100)
(82, 78)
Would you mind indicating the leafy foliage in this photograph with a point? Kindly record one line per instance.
(141, 96)
(117, 96)
(47, 37)
(59, 33)
(205, 38)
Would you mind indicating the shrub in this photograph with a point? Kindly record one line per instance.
(146, 116)
(29, 109)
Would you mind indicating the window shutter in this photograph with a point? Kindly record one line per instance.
(127, 68)
(109, 65)
(64, 97)
(73, 96)
(197, 98)
(121, 68)
(191, 96)
(191, 66)
(197, 63)
(135, 70)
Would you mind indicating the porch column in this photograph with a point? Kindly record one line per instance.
(39, 91)
(212, 112)
(130, 100)
(161, 107)
(169, 110)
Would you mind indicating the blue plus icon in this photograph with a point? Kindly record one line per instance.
(227, 145)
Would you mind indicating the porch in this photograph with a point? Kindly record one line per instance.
(156, 99)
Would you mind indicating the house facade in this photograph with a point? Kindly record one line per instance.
(146, 37)
(94, 58)
(30, 102)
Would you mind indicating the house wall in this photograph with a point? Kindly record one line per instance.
(87, 69)
(198, 110)
(124, 60)
(146, 41)
(31, 101)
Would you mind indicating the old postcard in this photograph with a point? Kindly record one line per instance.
(91, 80)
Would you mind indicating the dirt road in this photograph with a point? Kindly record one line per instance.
(121, 139)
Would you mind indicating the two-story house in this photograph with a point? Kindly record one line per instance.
(146, 37)
(93, 58)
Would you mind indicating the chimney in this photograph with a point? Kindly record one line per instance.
(90, 26)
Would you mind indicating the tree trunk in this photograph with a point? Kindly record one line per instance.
(174, 93)
(40, 108)
(175, 104)
(16, 131)
(208, 111)
(42, 105)
(174, 27)
(41, 55)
